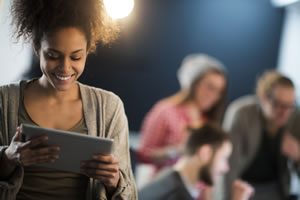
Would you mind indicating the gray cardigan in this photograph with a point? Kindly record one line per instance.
(243, 121)
(105, 117)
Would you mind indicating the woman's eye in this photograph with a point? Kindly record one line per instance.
(75, 58)
(52, 56)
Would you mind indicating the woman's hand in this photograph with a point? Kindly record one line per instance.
(103, 167)
(31, 152)
(27, 153)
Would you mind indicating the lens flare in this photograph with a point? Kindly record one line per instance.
(119, 8)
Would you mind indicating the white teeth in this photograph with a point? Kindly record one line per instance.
(63, 78)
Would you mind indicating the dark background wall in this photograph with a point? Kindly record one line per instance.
(141, 65)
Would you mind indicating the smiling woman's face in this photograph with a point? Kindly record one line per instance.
(209, 90)
(62, 58)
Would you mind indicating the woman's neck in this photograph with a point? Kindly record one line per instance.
(47, 90)
(194, 113)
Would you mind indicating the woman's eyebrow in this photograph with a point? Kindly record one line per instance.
(76, 51)
(56, 51)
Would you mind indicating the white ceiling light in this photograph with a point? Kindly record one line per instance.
(119, 8)
(283, 2)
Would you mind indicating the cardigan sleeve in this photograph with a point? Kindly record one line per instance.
(9, 187)
(116, 127)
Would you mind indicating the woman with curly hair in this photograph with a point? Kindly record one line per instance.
(62, 33)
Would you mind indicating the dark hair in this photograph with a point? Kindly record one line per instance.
(207, 134)
(269, 80)
(34, 18)
(215, 114)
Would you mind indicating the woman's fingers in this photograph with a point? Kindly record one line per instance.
(103, 170)
(31, 152)
(102, 167)
(35, 153)
(39, 160)
(38, 156)
(33, 142)
(113, 167)
(106, 158)
(17, 136)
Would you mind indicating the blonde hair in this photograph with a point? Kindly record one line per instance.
(269, 80)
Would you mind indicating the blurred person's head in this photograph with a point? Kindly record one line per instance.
(276, 93)
(204, 80)
(210, 148)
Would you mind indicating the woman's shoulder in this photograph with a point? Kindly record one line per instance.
(11, 88)
(17, 85)
(164, 108)
(164, 105)
(101, 95)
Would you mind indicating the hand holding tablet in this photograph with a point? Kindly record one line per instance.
(74, 147)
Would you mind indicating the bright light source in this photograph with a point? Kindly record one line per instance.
(119, 8)
(283, 2)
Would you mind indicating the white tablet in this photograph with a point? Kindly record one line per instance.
(74, 147)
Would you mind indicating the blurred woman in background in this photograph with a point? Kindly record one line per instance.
(202, 98)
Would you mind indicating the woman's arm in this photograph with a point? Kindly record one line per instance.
(159, 124)
(119, 181)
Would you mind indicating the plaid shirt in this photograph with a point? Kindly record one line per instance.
(164, 125)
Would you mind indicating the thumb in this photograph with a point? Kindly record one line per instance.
(17, 136)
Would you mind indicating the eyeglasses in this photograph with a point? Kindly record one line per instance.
(279, 105)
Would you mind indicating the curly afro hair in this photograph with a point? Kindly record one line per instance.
(34, 18)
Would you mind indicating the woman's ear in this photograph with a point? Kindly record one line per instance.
(205, 153)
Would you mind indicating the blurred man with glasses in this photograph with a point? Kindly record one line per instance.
(265, 131)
